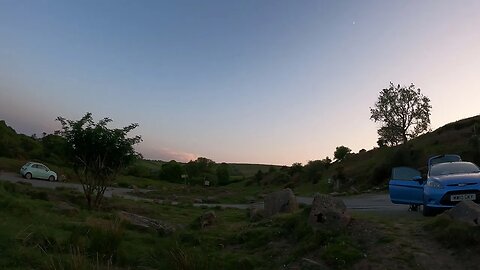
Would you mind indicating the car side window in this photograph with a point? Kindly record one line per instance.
(405, 173)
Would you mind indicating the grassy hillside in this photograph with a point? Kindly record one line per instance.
(249, 170)
(372, 168)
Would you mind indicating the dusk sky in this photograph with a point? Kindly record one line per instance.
(272, 82)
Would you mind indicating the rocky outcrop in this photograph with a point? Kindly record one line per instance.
(328, 212)
(466, 211)
(207, 219)
(283, 201)
(146, 223)
(255, 214)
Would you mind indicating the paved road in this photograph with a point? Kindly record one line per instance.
(363, 202)
(111, 191)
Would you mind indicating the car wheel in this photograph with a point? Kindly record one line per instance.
(51, 178)
(428, 211)
(28, 175)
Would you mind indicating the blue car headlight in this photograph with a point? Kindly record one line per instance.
(433, 184)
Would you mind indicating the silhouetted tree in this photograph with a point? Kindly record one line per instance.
(295, 168)
(314, 169)
(204, 165)
(97, 153)
(172, 171)
(259, 176)
(341, 152)
(223, 174)
(404, 113)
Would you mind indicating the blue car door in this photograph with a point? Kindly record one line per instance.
(406, 186)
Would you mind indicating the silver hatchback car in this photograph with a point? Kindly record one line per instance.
(38, 170)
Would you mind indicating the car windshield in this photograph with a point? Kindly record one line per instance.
(444, 159)
(453, 168)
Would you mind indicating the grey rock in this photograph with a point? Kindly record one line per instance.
(146, 223)
(255, 214)
(283, 201)
(465, 211)
(208, 219)
(328, 212)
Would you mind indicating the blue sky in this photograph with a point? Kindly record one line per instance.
(236, 81)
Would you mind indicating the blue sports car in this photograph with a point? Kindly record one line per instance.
(449, 180)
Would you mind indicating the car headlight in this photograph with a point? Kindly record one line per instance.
(433, 184)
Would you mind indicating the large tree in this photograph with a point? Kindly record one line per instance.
(403, 112)
(341, 152)
(97, 153)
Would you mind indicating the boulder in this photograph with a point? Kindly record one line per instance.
(328, 212)
(207, 219)
(283, 201)
(135, 189)
(465, 211)
(146, 223)
(255, 214)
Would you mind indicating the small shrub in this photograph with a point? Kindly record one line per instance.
(380, 174)
(123, 185)
(341, 254)
(38, 195)
(189, 238)
(180, 258)
(105, 238)
(9, 187)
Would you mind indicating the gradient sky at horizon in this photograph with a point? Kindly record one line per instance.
(273, 82)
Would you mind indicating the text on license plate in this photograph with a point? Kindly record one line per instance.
(463, 197)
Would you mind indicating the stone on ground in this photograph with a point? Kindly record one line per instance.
(328, 212)
(465, 211)
(146, 223)
(283, 201)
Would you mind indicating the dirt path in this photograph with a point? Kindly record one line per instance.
(111, 191)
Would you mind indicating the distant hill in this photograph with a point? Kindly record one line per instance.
(249, 170)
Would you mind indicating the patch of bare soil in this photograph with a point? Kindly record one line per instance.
(403, 243)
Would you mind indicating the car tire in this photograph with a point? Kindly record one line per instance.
(51, 178)
(28, 175)
(428, 211)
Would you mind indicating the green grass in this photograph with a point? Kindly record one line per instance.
(34, 235)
